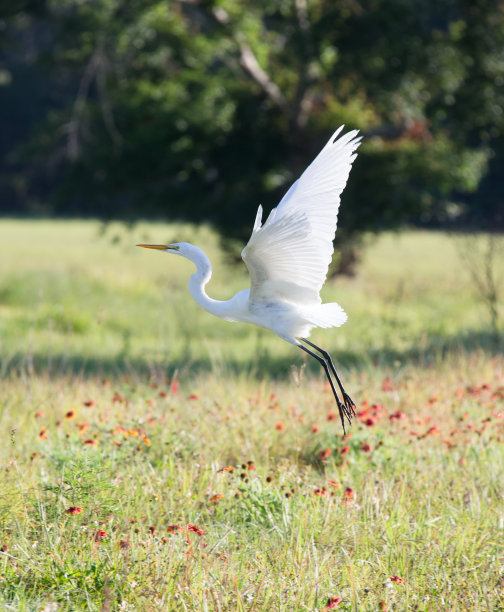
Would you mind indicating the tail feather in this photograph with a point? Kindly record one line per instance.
(328, 315)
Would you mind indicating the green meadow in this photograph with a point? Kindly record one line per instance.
(157, 458)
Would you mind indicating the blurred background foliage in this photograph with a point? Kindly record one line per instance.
(202, 109)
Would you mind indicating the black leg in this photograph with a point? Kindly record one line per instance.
(341, 407)
(347, 400)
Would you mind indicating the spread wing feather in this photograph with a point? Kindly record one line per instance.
(288, 257)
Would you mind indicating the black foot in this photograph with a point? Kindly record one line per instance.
(349, 405)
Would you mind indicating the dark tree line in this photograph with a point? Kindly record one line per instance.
(202, 109)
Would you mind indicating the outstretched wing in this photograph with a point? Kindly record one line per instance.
(289, 255)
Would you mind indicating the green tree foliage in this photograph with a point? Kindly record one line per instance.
(203, 109)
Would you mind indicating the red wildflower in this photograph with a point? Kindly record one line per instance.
(193, 396)
(332, 602)
(320, 492)
(89, 403)
(216, 498)
(387, 385)
(150, 402)
(39, 414)
(73, 510)
(152, 529)
(334, 484)
(397, 415)
(396, 579)
(117, 398)
(196, 529)
(226, 468)
(325, 453)
(345, 450)
(280, 426)
(174, 387)
(100, 535)
(43, 434)
(69, 415)
(173, 528)
(315, 429)
(370, 422)
(332, 416)
(365, 447)
(124, 544)
(163, 394)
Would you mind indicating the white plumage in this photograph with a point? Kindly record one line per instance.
(288, 257)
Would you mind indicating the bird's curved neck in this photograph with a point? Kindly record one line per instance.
(198, 281)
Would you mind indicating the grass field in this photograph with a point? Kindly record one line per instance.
(156, 458)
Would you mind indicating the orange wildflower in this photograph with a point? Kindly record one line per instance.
(349, 494)
(82, 427)
(90, 442)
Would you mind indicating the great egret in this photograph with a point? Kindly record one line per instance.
(288, 257)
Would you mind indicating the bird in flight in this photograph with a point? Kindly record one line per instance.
(287, 257)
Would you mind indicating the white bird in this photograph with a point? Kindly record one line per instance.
(288, 257)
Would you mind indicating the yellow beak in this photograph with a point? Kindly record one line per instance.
(159, 247)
